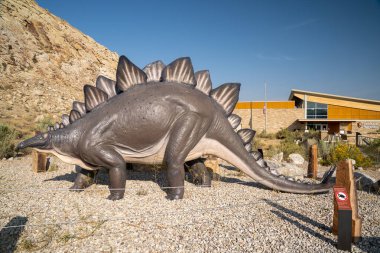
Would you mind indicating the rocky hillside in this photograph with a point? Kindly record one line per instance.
(44, 63)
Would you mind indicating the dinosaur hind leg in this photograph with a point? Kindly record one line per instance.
(84, 179)
(108, 158)
(200, 174)
(185, 134)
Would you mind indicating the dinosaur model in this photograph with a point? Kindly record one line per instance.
(200, 174)
(162, 114)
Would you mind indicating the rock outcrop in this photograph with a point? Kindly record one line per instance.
(44, 63)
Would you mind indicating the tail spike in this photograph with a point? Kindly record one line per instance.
(246, 135)
(248, 147)
(234, 120)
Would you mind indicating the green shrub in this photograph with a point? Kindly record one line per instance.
(288, 147)
(257, 143)
(265, 135)
(44, 123)
(343, 151)
(324, 149)
(284, 134)
(7, 141)
(271, 151)
(311, 134)
(373, 150)
(290, 136)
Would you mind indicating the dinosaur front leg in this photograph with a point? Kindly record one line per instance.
(84, 179)
(118, 177)
(107, 157)
(184, 136)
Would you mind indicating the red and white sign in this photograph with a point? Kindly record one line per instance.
(341, 196)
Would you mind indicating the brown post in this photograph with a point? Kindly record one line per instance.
(212, 162)
(345, 178)
(39, 163)
(312, 170)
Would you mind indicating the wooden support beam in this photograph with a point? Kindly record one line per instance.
(39, 161)
(312, 171)
(345, 178)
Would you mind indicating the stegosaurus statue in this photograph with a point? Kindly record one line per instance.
(161, 114)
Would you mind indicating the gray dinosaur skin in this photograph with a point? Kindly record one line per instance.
(166, 123)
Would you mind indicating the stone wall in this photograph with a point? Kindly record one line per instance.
(276, 119)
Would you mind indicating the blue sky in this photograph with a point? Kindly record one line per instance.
(323, 46)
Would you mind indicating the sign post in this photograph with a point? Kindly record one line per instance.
(345, 179)
(342, 202)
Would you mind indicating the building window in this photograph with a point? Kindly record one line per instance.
(317, 126)
(316, 110)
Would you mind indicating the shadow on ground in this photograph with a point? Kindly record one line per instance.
(158, 177)
(10, 236)
(367, 244)
(292, 217)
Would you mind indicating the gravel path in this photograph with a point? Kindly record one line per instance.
(235, 215)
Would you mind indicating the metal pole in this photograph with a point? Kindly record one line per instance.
(265, 105)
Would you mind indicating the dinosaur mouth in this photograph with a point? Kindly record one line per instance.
(38, 141)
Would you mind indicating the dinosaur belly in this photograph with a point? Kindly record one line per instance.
(69, 159)
(153, 154)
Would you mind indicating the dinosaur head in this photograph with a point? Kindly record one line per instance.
(41, 141)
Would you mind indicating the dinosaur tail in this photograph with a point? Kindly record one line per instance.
(229, 147)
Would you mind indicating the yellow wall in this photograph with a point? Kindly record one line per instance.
(270, 105)
(341, 112)
(339, 102)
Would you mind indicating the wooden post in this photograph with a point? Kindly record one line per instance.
(312, 170)
(345, 178)
(357, 136)
(39, 163)
(212, 162)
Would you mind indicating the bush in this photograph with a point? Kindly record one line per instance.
(7, 141)
(373, 150)
(265, 135)
(284, 134)
(288, 147)
(44, 123)
(312, 134)
(342, 151)
(271, 151)
(290, 136)
(256, 144)
(324, 150)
